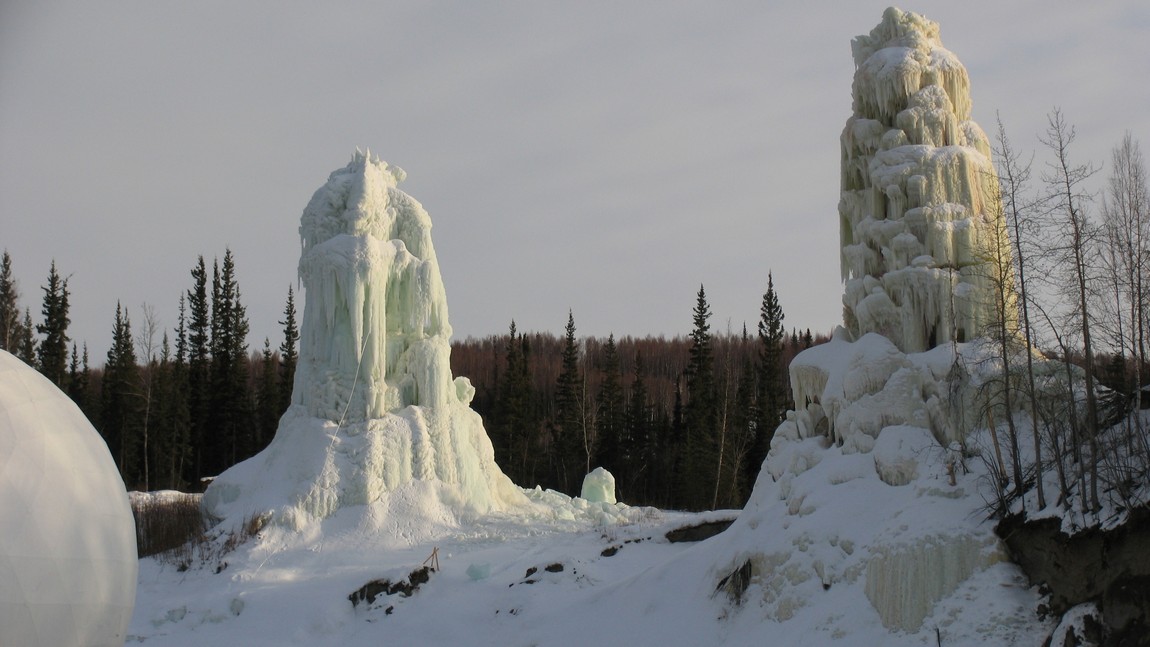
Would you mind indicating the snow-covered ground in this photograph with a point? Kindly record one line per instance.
(289, 588)
(836, 552)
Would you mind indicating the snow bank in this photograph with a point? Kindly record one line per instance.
(67, 538)
(900, 450)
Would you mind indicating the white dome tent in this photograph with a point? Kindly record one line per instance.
(67, 538)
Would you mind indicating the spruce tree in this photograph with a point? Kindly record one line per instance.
(638, 446)
(772, 400)
(230, 414)
(745, 423)
(611, 428)
(514, 446)
(288, 353)
(120, 424)
(26, 344)
(175, 407)
(571, 445)
(73, 373)
(163, 445)
(9, 307)
(672, 490)
(78, 378)
(268, 400)
(199, 366)
(697, 475)
(53, 350)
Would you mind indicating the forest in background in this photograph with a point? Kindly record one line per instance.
(679, 421)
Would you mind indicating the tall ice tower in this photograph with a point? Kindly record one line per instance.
(920, 217)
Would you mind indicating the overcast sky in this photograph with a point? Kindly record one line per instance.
(607, 157)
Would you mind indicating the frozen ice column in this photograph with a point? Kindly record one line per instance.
(375, 331)
(376, 421)
(919, 210)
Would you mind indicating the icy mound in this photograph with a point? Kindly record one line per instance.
(599, 486)
(919, 205)
(374, 406)
(874, 530)
(67, 537)
(849, 391)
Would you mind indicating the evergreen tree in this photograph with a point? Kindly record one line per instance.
(697, 475)
(230, 414)
(73, 373)
(174, 407)
(671, 491)
(53, 350)
(288, 354)
(638, 444)
(571, 446)
(516, 429)
(164, 442)
(268, 400)
(745, 424)
(613, 446)
(772, 398)
(120, 423)
(79, 378)
(26, 346)
(10, 333)
(199, 366)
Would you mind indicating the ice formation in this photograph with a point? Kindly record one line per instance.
(67, 538)
(376, 418)
(919, 210)
(879, 428)
(598, 486)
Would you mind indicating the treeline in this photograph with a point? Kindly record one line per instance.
(681, 423)
(173, 406)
